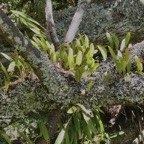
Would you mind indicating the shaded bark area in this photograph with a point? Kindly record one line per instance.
(52, 125)
(113, 16)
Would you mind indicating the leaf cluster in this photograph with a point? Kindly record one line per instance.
(82, 126)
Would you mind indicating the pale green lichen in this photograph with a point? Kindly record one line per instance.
(5, 27)
(17, 40)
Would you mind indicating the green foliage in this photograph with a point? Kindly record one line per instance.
(76, 57)
(122, 61)
(139, 66)
(103, 52)
(16, 63)
(115, 43)
(26, 129)
(122, 58)
(82, 126)
(44, 132)
(5, 136)
(33, 25)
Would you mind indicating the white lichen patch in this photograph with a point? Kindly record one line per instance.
(1, 21)
(17, 40)
(26, 42)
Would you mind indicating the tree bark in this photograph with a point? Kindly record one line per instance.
(40, 62)
(77, 18)
(113, 16)
(50, 24)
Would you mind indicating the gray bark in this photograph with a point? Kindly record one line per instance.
(113, 16)
(77, 18)
(50, 24)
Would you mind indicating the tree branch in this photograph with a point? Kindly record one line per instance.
(77, 18)
(39, 61)
(50, 24)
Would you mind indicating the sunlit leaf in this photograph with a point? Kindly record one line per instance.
(122, 46)
(103, 52)
(86, 41)
(139, 64)
(109, 37)
(79, 73)
(70, 58)
(25, 16)
(6, 56)
(90, 85)
(11, 67)
(5, 71)
(119, 54)
(62, 134)
(113, 54)
(116, 41)
(127, 38)
(73, 109)
(87, 111)
(79, 58)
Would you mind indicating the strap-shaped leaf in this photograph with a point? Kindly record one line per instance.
(79, 58)
(109, 37)
(103, 52)
(70, 59)
(127, 39)
(116, 41)
(44, 132)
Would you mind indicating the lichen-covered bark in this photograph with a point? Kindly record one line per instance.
(113, 16)
(116, 91)
(44, 69)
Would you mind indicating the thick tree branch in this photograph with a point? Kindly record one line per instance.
(77, 18)
(50, 24)
(116, 91)
(39, 61)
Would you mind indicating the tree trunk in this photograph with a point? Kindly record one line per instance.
(113, 16)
